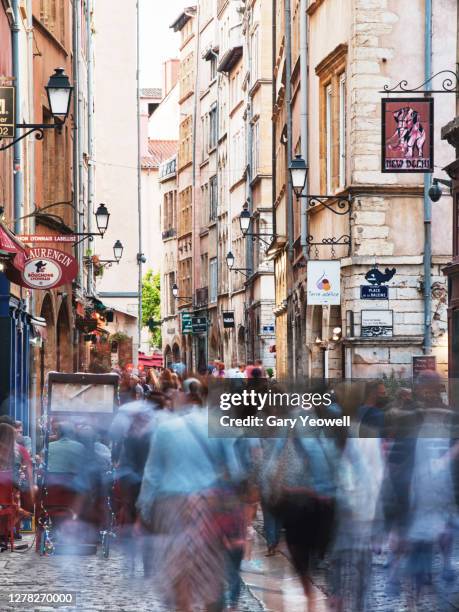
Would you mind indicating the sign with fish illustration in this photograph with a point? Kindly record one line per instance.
(324, 283)
(376, 277)
(407, 135)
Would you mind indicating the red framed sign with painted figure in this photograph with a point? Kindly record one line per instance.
(45, 268)
(407, 135)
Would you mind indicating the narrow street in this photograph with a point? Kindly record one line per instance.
(105, 585)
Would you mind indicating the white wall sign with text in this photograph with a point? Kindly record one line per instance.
(324, 283)
(377, 323)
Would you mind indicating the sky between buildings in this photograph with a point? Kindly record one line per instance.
(157, 41)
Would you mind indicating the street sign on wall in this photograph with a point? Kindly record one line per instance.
(377, 323)
(423, 363)
(199, 325)
(47, 238)
(324, 282)
(7, 112)
(187, 327)
(379, 292)
(407, 135)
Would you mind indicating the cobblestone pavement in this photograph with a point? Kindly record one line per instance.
(108, 586)
(279, 590)
(102, 585)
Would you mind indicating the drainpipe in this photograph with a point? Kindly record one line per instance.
(273, 123)
(31, 160)
(90, 89)
(194, 341)
(249, 192)
(17, 155)
(427, 202)
(288, 103)
(304, 118)
(139, 182)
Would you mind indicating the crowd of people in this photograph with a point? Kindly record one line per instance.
(188, 504)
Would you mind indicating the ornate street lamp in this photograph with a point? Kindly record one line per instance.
(230, 261)
(59, 93)
(337, 204)
(175, 294)
(102, 218)
(118, 250)
(298, 174)
(117, 254)
(245, 219)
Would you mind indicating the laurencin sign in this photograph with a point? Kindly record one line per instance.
(46, 268)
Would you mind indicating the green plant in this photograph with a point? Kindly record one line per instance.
(151, 304)
(119, 337)
(392, 382)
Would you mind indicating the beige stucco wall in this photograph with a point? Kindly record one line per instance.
(116, 143)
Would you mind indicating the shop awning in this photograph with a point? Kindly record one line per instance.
(151, 361)
(10, 245)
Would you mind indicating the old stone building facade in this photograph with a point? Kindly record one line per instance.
(306, 77)
(354, 50)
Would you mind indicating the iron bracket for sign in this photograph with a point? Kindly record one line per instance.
(449, 84)
(344, 204)
(32, 127)
(345, 240)
(255, 236)
(242, 271)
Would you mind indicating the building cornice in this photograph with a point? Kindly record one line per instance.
(335, 57)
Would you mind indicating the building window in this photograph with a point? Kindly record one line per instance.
(213, 279)
(186, 144)
(184, 219)
(213, 66)
(255, 56)
(212, 127)
(332, 108)
(256, 147)
(213, 199)
(328, 137)
(204, 270)
(187, 76)
(171, 298)
(342, 130)
(184, 278)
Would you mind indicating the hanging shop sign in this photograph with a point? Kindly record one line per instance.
(187, 327)
(228, 319)
(269, 329)
(199, 325)
(378, 292)
(53, 239)
(377, 323)
(423, 363)
(45, 268)
(407, 135)
(7, 108)
(324, 282)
